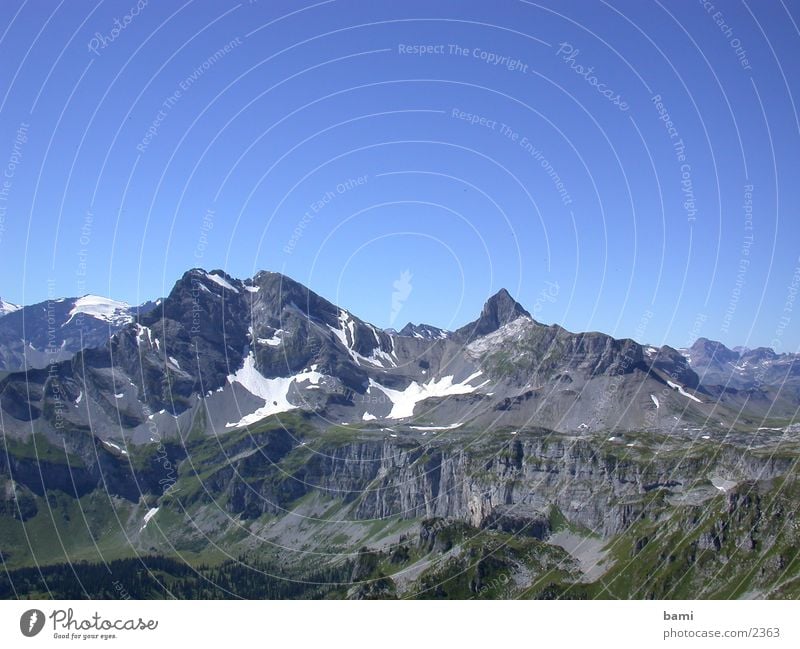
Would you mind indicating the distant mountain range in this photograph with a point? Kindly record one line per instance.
(241, 350)
(741, 368)
(36, 335)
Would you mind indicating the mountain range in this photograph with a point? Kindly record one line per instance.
(253, 415)
(243, 350)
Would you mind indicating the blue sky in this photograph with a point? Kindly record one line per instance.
(523, 145)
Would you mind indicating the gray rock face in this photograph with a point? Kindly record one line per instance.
(672, 363)
(499, 482)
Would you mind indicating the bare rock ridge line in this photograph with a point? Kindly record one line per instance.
(238, 351)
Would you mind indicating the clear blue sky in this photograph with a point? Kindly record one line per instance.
(579, 207)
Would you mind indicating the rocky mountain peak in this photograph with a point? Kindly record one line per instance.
(759, 354)
(426, 331)
(703, 348)
(499, 310)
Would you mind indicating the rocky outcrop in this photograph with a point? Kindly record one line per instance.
(508, 486)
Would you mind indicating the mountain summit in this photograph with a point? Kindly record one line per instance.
(499, 310)
(705, 352)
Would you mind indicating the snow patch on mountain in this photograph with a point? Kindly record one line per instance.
(7, 307)
(221, 281)
(514, 329)
(347, 325)
(375, 334)
(381, 358)
(274, 392)
(404, 401)
(273, 341)
(116, 447)
(346, 334)
(141, 332)
(152, 512)
(102, 308)
(680, 390)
